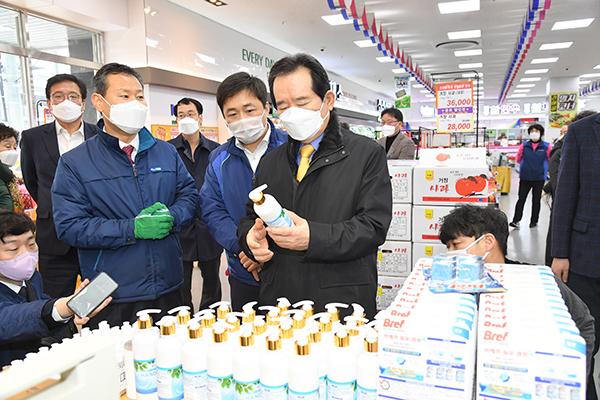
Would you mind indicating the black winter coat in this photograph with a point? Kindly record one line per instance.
(346, 197)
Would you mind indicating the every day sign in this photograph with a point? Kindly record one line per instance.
(257, 59)
(454, 103)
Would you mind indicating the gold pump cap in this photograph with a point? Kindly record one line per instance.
(167, 329)
(325, 326)
(303, 347)
(194, 331)
(371, 345)
(145, 323)
(271, 319)
(286, 332)
(315, 336)
(208, 321)
(259, 329)
(235, 324)
(249, 317)
(219, 335)
(273, 342)
(247, 340)
(183, 319)
(352, 331)
(341, 339)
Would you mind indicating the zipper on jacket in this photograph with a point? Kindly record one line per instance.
(134, 170)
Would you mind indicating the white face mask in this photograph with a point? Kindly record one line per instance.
(302, 124)
(67, 111)
(188, 126)
(130, 117)
(388, 130)
(9, 157)
(248, 130)
(463, 252)
(535, 136)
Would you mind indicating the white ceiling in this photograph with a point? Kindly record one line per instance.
(417, 26)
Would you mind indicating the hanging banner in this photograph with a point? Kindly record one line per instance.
(454, 103)
(402, 90)
(563, 107)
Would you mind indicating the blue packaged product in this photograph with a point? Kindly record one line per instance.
(470, 268)
(442, 268)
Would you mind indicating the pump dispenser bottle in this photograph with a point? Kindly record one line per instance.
(356, 339)
(303, 373)
(220, 367)
(283, 304)
(286, 332)
(233, 330)
(144, 356)
(341, 369)
(274, 371)
(246, 368)
(306, 306)
(333, 309)
(259, 328)
(249, 314)
(272, 319)
(269, 209)
(298, 321)
(367, 370)
(207, 320)
(319, 352)
(169, 363)
(195, 385)
(183, 317)
(223, 308)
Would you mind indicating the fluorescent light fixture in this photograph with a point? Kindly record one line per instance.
(576, 23)
(584, 82)
(556, 46)
(536, 71)
(544, 60)
(412, 79)
(419, 86)
(424, 91)
(337, 19)
(365, 43)
(530, 79)
(519, 95)
(597, 66)
(452, 7)
(466, 53)
(526, 85)
(384, 59)
(521, 90)
(429, 95)
(471, 65)
(472, 75)
(399, 71)
(589, 76)
(475, 33)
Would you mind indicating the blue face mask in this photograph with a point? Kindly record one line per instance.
(464, 252)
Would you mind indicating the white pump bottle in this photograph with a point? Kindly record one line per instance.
(220, 367)
(144, 356)
(367, 370)
(195, 380)
(303, 373)
(269, 209)
(341, 369)
(183, 317)
(246, 368)
(274, 370)
(169, 362)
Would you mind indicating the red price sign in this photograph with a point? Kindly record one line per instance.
(454, 101)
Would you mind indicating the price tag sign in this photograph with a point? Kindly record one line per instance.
(454, 103)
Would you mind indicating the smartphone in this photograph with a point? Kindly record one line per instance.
(90, 297)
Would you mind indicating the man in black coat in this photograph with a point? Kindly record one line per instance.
(41, 147)
(196, 241)
(338, 195)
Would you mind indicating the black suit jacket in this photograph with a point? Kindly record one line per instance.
(39, 158)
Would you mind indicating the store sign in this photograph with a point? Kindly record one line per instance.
(336, 88)
(402, 90)
(514, 108)
(383, 105)
(454, 103)
(257, 59)
(563, 107)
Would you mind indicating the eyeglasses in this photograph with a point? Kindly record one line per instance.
(59, 97)
(390, 122)
(191, 114)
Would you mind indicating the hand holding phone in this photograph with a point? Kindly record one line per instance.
(90, 297)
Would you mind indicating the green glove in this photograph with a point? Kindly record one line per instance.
(150, 210)
(154, 222)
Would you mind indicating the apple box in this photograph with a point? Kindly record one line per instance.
(387, 289)
(401, 176)
(427, 221)
(400, 226)
(394, 258)
(427, 250)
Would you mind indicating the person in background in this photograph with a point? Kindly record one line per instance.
(121, 197)
(396, 144)
(27, 314)
(533, 157)
(466, 224)
(196, 241)
(337, 187)
(10, 197)
(242, 99)
(576, 219)
(41, 148)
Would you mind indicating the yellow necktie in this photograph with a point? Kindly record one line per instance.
(305, 152)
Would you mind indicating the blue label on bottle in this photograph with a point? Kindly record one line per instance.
(145, 376)
(169, 382)
(195, 385)
(341, 390)
(366, 394)
(314, 395)
(220, 388)
(247, 390)
(274, 392)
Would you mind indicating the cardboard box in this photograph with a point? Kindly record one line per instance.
(387, 289)
(401, 223)
(424, 250)
(394, 258)
(401, 176)
(427, 221)
(450, 176)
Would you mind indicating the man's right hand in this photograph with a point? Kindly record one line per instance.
(154, 222)
(257, 242)
(560, 268)
(250, 265)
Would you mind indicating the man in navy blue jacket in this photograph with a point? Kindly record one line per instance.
(121, 197)
(243, 102)
(198, 244)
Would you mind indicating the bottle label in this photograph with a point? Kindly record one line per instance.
(366, 394)
(341, 390)
(145, 376)
(220, 388)
(122, 379)
(273, 392)
(314, 395)
(247, 390)
(169, 382)
(282, 221)
(323, 387)
(195, 385)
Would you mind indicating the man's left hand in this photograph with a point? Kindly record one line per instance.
(294, 238)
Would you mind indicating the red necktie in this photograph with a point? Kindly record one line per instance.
(129, 150)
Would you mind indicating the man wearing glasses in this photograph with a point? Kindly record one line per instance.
(397, 145)
(196, 241)
(41, 147)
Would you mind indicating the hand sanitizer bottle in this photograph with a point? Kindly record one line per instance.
(195, 380)
(319, 352)
(144, 356)
(249, 314)
(246, 368)
(223, 308)
(333, 309)
(367, 372)
(259, 328)
(286, 332)
(303, 373)
(341, 369)
(274, 371)
(307, 306)
(233, 330)
(283, 304)
(169, 363)
(207, 320)
(272, 319)
(183, 317)
(220, 367)
(269, 209)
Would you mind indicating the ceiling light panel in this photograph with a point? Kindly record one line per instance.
(536, 71)
(384, 59)
(526, 85)
(399, 71)
(589, 76)
(519, 95)
(530, 79)
(470, 65)
(573, 24)
(476, 33)
(424, 91)
(418, 86)
(452, 7)
(337, 19)
(544, 60)
(521, 90)
(556, 46)
(365, 43)
(467, 53)
(584, 82)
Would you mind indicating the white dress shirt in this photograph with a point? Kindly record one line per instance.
(254, 157)
(55, 314)
(135, 143)
(68, 142)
